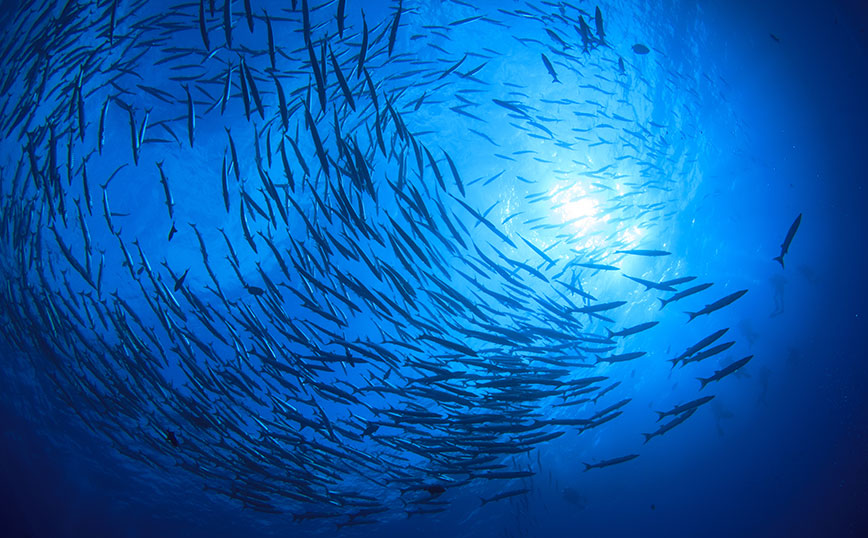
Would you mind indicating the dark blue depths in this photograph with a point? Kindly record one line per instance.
(424, 268)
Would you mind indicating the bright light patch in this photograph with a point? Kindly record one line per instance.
(583, 213)
(578, 209)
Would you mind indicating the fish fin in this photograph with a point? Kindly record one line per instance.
(611, 334)
(483, 501)
(663, 303)
(662, 414)
(648, 437)
(780, 260)
(704, 381)
(588, 466)
(692, 316)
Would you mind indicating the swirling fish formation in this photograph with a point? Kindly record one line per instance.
(379, 274)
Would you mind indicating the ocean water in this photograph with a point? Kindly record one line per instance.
(268, 270)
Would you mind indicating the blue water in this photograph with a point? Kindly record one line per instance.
(738, 119)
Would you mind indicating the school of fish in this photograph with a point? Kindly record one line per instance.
(339, 265)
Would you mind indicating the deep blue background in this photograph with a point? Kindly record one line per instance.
(786, 455)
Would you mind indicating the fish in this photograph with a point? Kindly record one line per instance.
(248, 13)
(504, 495)
(785, 246)
(281, 102)
(227, 85)
(632, 330)
(686, 293)
(695, 348)
(101, 132)
(678, 409)
(601, 307)
(610, 462)
(644, 252)
(702, 355)
(599, 266)
(393, 32)
(251, 86)
(367, 338)
(227, 22)
(191, 115)
(717, 305)
(342, 82)
(455, 174)
(669, 425)
(723, 372)
(180, 280)
(550, 68)
(269, 34)
(598, 22)
(678, 281)
(363, 49)
(585, 33)
(112, 19)
(203, 30)
(342, 5)
(662, 286)
(164, 181)
(623, 357)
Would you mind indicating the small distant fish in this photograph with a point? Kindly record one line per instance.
(639, 48)
(641, 252)
(785, 246)
(504, 495)
(613, 461)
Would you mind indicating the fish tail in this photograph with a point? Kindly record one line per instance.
(704, 381)
(588, 466)
(663, 302)
(692, 316)
(662, 414)
(611, 334)
(780, 260)
(648, 437)
(483, 501)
